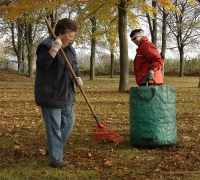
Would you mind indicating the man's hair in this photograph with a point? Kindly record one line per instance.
(65, 25)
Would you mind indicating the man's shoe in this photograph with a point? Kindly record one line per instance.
(59, 165)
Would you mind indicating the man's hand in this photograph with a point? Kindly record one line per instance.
(150, 75)
(78, 82)
(56, 44)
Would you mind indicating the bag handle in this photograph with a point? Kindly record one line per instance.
(153, 90)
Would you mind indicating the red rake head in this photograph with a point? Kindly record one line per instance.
(102, 133)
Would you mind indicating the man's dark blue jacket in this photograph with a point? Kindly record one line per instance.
(54, 86)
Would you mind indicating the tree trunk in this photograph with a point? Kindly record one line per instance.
(150, 26)
(164, 37)
(93, 49)
(29, 43)
(52, 17)
(92, 59)
(24, 68)
(124, 65)
(18, 47)
(154, 21)
(153, 26)
(30, 64)
(181, 60)
(112, 65)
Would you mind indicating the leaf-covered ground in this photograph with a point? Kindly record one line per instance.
(23, 139)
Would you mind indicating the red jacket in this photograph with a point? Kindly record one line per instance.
(147, 57)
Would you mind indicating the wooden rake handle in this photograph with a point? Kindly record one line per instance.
(70, 68)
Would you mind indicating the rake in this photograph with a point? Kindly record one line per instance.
(101, 133)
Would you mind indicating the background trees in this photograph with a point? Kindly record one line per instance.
(185, 28)
(102, 25)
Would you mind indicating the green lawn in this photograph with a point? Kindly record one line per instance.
(23, 141)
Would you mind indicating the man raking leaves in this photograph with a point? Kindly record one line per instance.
(54, 90)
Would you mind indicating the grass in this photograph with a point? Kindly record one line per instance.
(23, 139)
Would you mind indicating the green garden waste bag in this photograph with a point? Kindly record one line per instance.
(153, 116)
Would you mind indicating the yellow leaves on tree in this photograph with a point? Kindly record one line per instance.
(19, 8)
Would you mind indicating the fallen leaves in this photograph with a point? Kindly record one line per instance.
(22, 132)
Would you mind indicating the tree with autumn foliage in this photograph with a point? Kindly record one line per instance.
(16, 9)
(25, 20)
(97, 26)
(23, 27)
(102, 14)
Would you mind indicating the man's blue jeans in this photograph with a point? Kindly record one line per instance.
(59, 124)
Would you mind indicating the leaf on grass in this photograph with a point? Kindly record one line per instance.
(108, 163)
(186, 138)
(42, 151)
(16, 147)
(17, 142)
(90, 154)
(71, 143)
(98, 169)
